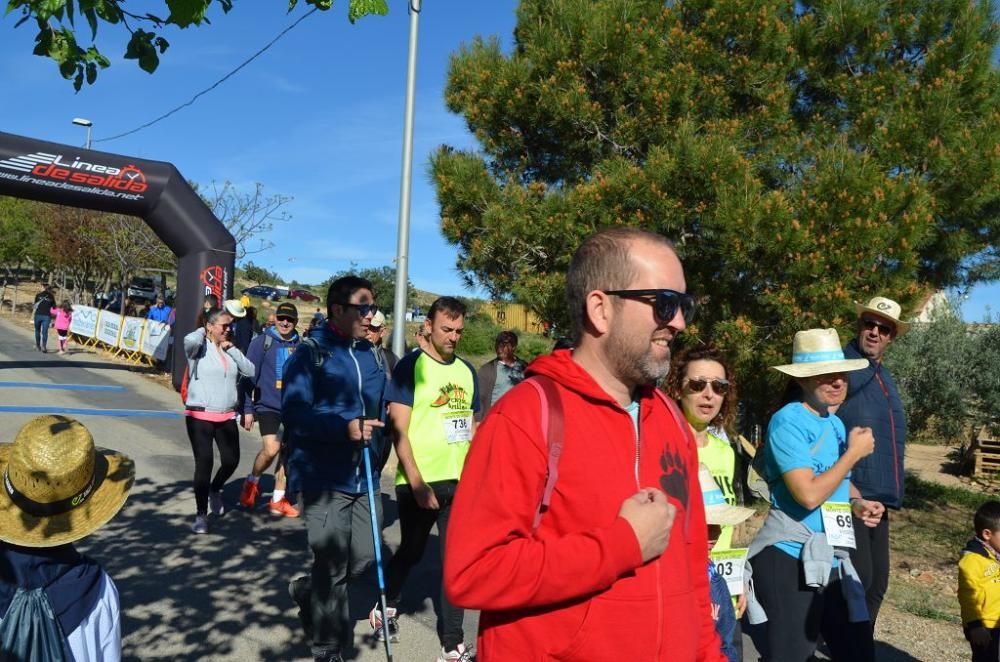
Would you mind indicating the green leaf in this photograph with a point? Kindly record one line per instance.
(78, 81)
(67, 69)
(91, 73)
(184, 13)
(291, 4)
(161, 44)
(91, 15)
(361, 8)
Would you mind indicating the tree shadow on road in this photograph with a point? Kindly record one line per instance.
(223, 595)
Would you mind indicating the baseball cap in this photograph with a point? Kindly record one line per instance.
(287, 310)
(378, 321)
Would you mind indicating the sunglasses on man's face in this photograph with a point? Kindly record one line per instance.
(883, 328)
(665, 302)
(364, 309)
(288, 320)
(720, 386)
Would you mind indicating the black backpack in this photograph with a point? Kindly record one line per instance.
(30, 631)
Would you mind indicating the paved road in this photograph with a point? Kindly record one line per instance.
(221, 596)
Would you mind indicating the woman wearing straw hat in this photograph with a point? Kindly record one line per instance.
(214, 368)
(57, 488)
(803, 582)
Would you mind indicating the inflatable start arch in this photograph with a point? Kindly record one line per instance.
(152, 190)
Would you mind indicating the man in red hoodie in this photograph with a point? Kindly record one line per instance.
(615, 568)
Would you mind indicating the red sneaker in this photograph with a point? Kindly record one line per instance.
(248, 497)
(283, 507)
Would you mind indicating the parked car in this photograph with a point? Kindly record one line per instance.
(262, 291)
(141, 288)
(302, 295)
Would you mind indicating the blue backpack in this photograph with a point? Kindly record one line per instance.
(30, 631)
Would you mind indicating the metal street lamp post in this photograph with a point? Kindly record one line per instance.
(79, 121)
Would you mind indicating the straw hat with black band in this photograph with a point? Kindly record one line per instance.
(57, 486)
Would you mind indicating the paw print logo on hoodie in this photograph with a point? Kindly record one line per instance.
(674, 480)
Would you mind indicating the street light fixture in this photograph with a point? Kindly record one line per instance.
(79, 121)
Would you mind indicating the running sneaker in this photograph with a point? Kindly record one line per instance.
(215, 505)
(375, 620)
(248, 497)
(460, 654)
(283, 507)
(200, 524)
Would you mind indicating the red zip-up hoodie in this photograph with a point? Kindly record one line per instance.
(577, 589)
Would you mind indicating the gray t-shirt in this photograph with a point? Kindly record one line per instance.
(508, 376)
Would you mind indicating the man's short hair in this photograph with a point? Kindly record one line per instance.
(987, 517)
(506, 337)
(342, 289)
(602, 262)
(450, 306)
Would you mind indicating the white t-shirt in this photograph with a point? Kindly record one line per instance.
(98, 638)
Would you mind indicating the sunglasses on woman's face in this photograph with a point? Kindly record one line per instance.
(665, 302)
(720, 386)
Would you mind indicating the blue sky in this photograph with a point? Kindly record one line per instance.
(318, 117)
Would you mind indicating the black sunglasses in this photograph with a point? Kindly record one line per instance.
(665, 302)
(286, 319)
(363, 308)
(720, 386)
(884, 329)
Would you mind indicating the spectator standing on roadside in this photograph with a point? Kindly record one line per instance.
(609, 561)
(979, 586)
(269, 352)
(502, 373)
(63, 318)
(873, 401)
(332, 404)
(160, 312)
(59, 489)
(433, 398)
(45, 301)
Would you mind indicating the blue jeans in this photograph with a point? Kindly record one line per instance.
(42, 323)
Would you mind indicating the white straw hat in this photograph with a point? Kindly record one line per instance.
(717, 509)
(818, 352)
(887, 309)
(234, 308)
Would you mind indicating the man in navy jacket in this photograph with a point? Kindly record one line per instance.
(332, 403)
(873, 401)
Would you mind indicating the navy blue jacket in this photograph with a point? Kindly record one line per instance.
(264, 388)
(317, 404)
(873, 401)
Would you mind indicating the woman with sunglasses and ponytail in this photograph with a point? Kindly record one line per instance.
(214, 369)
(701, 382)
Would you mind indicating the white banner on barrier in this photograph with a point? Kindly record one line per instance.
(107, 330)
(131, 333)
(156, 340)
(84, 322)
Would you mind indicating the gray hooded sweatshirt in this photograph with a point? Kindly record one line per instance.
(212, 383)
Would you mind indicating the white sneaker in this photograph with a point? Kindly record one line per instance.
(460, 654)
(215, 505)
(200, 524)
(375, 620)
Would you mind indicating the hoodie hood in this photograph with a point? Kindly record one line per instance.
(976, 546)
(561, 368)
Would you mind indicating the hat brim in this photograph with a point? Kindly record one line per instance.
(821, 367)
(726, 515)
(19, 528)
(901, 326)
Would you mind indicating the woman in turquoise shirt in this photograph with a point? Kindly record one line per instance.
(808, 457)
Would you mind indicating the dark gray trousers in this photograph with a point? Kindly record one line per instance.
(340, 537)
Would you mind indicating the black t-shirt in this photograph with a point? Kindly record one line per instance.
(44, 301)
